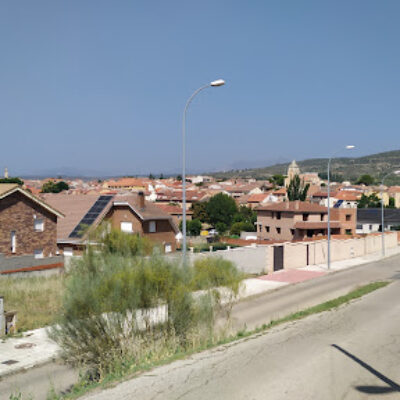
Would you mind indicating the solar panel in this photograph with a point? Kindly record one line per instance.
(90, 216)
(338, 204)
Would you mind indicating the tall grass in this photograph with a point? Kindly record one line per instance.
(106, 289)
(37, 300)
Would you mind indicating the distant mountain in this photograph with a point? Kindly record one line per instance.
(351, 169)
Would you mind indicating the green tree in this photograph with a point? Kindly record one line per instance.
(371, 201)
(221, 228)
(365, 179)
(161, 176)
(221, 208)
(53, 187)
(193, 227)
(151, 176)
(18, 181)
(278, 179)
(297, 190)
(200, 211)
(178, 177)
(243, 226)
(392, 203)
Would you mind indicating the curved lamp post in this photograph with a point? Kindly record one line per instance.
(218, 82)
(382, 210)
(349, 147)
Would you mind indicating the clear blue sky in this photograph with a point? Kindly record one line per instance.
(100, 86)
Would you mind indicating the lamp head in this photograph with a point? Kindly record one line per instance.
(218, 82)
(350, 147)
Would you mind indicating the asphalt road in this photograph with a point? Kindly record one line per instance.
(249, 313)
(349, 353)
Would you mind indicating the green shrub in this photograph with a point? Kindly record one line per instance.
(126, 244)
(97, 328)
(210, 272)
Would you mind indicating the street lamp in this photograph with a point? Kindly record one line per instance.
(216, 83)
(348, 147)
(382, 210)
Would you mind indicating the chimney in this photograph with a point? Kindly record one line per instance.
(141, 200)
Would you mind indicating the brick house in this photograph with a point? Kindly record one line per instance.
(128, 213)
(297, 220)
(28, 225)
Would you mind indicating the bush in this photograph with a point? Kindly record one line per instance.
(105, 291)
(126, 244)
(213, 272)
(238, 227)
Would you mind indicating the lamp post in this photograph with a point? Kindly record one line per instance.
(217, 83)
(383, 212)
(349, 147)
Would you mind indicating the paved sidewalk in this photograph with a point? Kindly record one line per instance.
(32, 349)
(35, 348)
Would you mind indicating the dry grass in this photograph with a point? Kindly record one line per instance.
(37, 300)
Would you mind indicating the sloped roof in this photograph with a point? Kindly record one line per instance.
(7, 189)
(75, 208)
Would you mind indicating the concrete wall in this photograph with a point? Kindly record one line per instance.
(250, 259)
(295, 254)
(21, 262)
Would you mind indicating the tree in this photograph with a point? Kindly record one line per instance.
(221, 228)
(193, 227)
(392, 203)
(221, 208)
(371, 201)
(178, 177)
(238, 227)
(278, 179)
(365, 179)
(161, 176)
(18, 181)
(151, 176)
(247, 216)
(52, 187)
(200, 211)
(297, 190)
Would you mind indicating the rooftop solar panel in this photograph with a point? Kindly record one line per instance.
(90, 216)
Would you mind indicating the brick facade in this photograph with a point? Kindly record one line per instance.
(164, 234)
(17, 213)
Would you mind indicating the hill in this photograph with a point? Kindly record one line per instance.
(348, 168)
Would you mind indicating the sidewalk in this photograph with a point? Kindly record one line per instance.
(34, 348)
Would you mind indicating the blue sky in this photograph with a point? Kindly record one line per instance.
(100, 86)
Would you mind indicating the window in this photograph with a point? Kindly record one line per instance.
(38, 253)
(38, 225)
(322, 217)
(278, 230)
(152, 226)
(348, 231)
(348, 217)
(278, 215)
(13, 242)
(168, 248)
(305, 217)
(267, 228)
(126, 227)
(68, 251)
(292, 231)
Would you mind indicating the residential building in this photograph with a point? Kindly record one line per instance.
(296, 220)
(370, 219)
(128, 213)
(28, 225)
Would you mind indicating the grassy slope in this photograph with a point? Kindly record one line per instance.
(36, 300)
